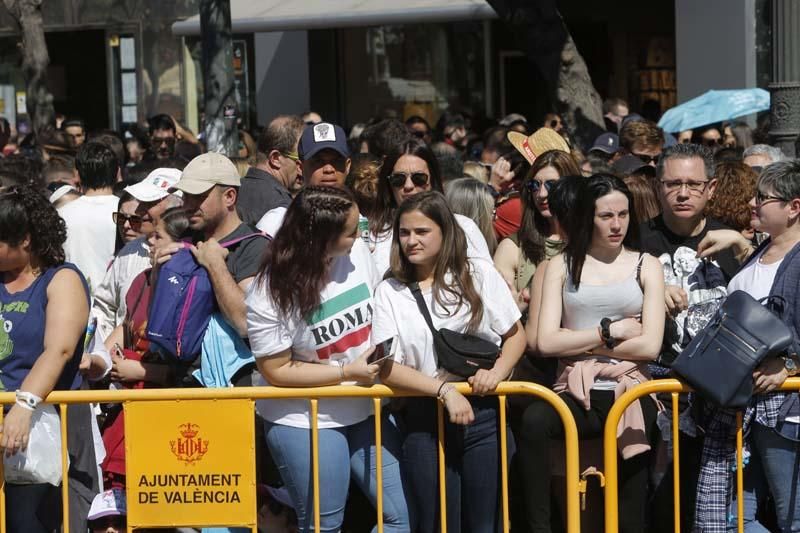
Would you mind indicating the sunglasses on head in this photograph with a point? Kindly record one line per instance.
(134, 220)
(534, 186)
(398, 179)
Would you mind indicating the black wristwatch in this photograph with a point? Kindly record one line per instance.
(605, 333)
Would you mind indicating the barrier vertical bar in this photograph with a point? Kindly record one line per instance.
(315, 458)
(739, 474)
(676, 462)
(2, 487)
(64, 466)
(442, 466)
(376, 402)
(504, 461)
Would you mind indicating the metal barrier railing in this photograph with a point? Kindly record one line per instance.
(313, 395)
(674, 387)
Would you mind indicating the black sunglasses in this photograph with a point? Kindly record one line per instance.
(135, 220)
(646, 159)
(398, 179)
(534, 186)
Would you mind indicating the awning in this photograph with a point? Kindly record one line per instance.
(248, 16)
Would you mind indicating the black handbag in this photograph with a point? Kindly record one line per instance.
(461, 354)
(719, 361)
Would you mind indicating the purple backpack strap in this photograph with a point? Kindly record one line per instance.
(244, 238)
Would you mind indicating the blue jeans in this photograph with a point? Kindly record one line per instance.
(343, 452)
(774, 468)
(473, 467)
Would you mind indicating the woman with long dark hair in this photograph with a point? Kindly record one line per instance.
(602, 315)
(538, 237)
(407, 171)
(309, 320)
(463, 295)
(45, 304)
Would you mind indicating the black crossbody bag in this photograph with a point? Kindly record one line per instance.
(461, 354)
(719, 361)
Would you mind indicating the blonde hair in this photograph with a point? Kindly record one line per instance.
(471, 198)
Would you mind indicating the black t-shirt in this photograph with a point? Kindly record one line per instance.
(656, 239)
(244, 258)
(705, 282)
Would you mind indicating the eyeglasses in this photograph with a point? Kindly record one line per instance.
(646, 159)
(534, 186)
(762, 198)
(291, 155)
(419, 134)
(134, 220)
(398, 179)
(673, 186)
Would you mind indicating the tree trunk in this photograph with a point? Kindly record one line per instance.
(217, 58)
(35, 59)
(541, 34)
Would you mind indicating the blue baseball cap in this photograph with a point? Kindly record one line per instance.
(607, 142)
(320, 136)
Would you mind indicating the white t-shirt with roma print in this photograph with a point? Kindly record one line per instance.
(337, 332)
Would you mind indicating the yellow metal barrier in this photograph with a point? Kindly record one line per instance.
(376, 392)
(674, 387)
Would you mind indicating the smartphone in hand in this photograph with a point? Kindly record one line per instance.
(385, 350)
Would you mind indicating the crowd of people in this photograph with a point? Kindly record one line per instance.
(379, 256)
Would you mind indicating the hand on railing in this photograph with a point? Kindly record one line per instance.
(458, 407)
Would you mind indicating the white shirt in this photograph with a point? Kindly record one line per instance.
(109, 305)
(381, 245)
(272, 221)
(756, 278)
(91, 235)
(397, 315)
(336, 333)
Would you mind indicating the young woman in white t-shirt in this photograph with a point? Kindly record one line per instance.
(464, 295)
(410, 169)
(309, 321)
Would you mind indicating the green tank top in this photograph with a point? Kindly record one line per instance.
(525, 267)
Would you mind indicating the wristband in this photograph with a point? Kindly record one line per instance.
(341, 372)
(28, 400)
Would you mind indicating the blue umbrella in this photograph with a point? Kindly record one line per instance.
(714, 106)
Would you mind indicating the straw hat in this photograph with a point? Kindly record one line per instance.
(541, 141)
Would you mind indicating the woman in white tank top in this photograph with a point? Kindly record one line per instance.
(602, 315)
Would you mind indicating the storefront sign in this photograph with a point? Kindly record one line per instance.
(190, 463)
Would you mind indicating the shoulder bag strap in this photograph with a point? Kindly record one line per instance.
(423, 307)
(244, 238)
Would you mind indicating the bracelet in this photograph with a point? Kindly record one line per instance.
(439, 392)
(341, 372)
(24, 405)
(30, 400)
(444, 392)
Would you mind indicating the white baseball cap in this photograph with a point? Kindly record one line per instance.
(108, 503)
(155, 186)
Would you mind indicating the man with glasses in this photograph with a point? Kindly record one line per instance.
(154, 198)
(693, 287)
(163, 136)
(641, 138)
(277, 175)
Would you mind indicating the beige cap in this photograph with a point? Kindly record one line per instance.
(541, 141)
(207, 170)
